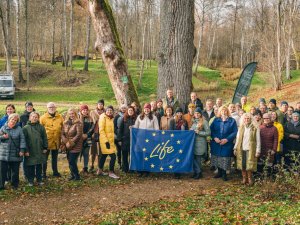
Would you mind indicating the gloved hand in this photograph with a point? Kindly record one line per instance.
(107, 145)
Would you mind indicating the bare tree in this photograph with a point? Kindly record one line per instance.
(27, 44)
(71, 33)
(88, 36)
(53, 9)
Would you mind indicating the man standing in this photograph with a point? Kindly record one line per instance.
(52, 121)
(25, 116)
(274, 108)
(208, 113)
(245, 106)
(170, 100)
(196, 101)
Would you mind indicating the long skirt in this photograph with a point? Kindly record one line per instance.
(221, 162)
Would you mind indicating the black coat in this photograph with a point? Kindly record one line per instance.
(124, 132)
(291, 144)
(205, 114)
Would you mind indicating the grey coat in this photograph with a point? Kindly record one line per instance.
(200, 147)
(11, 147)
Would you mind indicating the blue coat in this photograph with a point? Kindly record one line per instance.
(223, 130)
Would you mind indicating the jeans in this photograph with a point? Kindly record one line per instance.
(111, 163)
(14, 166)
(125, 164)
(197, 164)
(34, 171)
(85, 154)
(72, 159)
(119, 152)
(54, 155)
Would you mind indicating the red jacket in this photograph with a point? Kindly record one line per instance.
(269, 138)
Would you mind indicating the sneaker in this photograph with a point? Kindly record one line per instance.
(101, 173)
(30, 184)
(114, 176)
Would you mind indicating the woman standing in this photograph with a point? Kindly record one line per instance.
(108, 147)
(88, 130)
(37, 144)
(95, 148)
(202, 130)
(167, 122)
(72, 141)
(124, 136)
(223, 132)
(13, 147)
(247, 148)
(180, 123)
(9, 109)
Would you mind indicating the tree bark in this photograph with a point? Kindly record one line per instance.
(20, 74)
(175, 58)
(278, 83)
(109, 45)
(53, 8)
(71, 33)
(26, 44)
(65, 58)
(88, 36)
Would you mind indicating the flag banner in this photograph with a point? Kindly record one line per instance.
(244, 83)
(167, 151)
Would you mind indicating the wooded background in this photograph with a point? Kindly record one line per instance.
(227, 33)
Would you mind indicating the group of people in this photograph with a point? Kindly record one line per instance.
(254, 136)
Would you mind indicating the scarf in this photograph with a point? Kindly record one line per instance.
(179, 123)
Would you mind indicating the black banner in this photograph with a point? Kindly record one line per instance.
(244, 83)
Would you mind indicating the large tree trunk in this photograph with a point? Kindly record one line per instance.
(21, 79)
(109, 45)
(177, 50)
(88, 36)
(278, 38)
(65, 58)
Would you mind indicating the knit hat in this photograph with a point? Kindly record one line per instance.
(284, 103)
(198, 110)
(191, 105)
(179, 110)
(101, 101)
(273, 101)
(82, 107)
(147, 106)
(262, 100)
(110, 107)
(28, 104)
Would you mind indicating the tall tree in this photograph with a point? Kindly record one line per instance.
(176, 49)
(111, 50)
(88, 37)
(27, 44)
(71, 33)
(20, 74)
(53, 8)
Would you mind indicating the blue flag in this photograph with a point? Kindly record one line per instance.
(161, 150)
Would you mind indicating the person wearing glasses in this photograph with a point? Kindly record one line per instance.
(52, 121)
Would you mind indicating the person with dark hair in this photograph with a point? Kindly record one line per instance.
(154, 110)
(9, 109)
(88, 130)
(292, 141)
(274, 108)
(124, 136)
(37, 144)
(257, 118)
(12, 151)
(25, 116)
(180, 123)
(71, 137)
(202, 130)
(100, 107)
(289, 113)
(269, 144)
(136, 108)
(160, 109)
(146, 120)
(107, 144)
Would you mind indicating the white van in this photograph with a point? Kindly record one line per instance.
(7, 86)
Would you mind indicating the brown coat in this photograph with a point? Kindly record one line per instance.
(72, 136)
(269, 141)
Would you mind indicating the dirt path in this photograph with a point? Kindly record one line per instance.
(90, 202)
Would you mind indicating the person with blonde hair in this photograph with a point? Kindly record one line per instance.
(247, 148)
(223, 132)
(72, 141)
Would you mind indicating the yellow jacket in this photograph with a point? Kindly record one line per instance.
(280, 133)
(106, 132)
(246, 107)
(53, 126)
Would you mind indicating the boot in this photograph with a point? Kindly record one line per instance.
(224, 175)
(250, 178)
(244, 174)
(219, 174)
(198, 176)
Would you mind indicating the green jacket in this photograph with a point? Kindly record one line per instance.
(36, 141)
